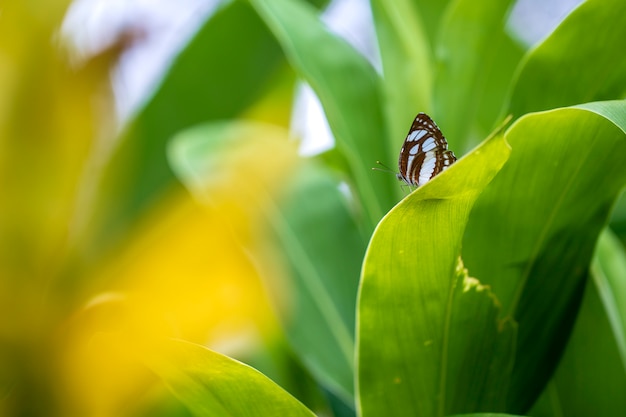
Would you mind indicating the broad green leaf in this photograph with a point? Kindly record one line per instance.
(613, 110)
(618, 218)
(581, 61)
(309, 222)
(532, 232)
(429, 337)
(591, 378)
(317, 234)
(431, 14)
(476, 60)
(211, 384)
(348, 88)
(209, 80)
(407, 66)
(609, 275)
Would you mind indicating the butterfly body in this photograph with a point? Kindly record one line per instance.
(424, 153)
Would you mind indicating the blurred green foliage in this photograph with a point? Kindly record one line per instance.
(475, 294)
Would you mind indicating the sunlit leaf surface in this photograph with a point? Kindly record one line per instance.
(425, 328)
(211, 384)
(532, 232)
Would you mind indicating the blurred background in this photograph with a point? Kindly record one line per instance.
(97, 235)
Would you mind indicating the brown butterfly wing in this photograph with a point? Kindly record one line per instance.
(424, 153)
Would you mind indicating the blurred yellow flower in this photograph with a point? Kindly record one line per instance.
(181, 273)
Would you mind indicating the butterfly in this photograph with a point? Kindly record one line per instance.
(424, 153)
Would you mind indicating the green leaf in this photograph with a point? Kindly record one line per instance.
(407, 65)
(431, 14)
(324, 248)
(428, 335)
(618, 218)
(591, 377)
(580, 61)
(209, 80)
(309, 221)
(210, 384)
(615, 111)
(609, 275)
(348, 88)
(532, 232)
(476, 60)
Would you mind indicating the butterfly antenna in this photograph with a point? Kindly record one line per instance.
(384, 168)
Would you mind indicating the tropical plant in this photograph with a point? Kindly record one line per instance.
(497, 287)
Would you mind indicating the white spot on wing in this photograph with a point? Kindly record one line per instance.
(429, 144)
(409, 162)
(416, 135)
(428, 167)
(430, 160)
